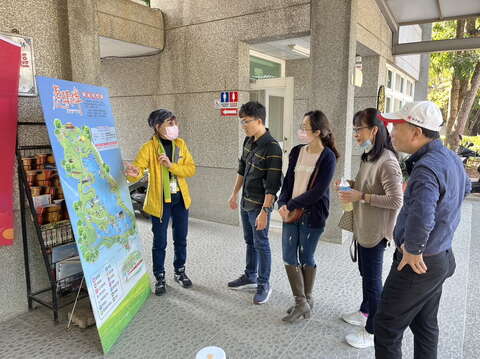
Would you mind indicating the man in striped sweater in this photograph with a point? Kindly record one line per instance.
(259, 176)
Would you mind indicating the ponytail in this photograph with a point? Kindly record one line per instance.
(329, 141)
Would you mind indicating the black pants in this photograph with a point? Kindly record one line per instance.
(411, 299)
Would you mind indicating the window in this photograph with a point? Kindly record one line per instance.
(388, 104)
(399, 89)
(396, 105)
(409, 88)
(389, 79)
(265, 67)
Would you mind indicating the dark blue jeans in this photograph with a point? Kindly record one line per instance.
(179, 214)
(259, 256)
(299, 243)
(370, 264)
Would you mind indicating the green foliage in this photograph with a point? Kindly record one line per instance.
(443, 65)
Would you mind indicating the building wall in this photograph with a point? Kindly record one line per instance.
(45, 22)
(372, 29)
(207, 52)
(132, 84)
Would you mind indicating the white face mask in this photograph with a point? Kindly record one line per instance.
(171, 132)
(366, 146)
(304, 137)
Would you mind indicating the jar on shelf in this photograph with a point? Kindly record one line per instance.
(36, 191)
(28, 163)
(54, 213)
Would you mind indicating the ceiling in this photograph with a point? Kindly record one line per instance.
(280, 49)
(117, 48)
(407, 12)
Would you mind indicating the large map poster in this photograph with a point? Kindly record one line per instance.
(84, 141)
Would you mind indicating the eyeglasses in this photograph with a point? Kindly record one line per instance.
(301, 127)
(245, 122)
(356, 130)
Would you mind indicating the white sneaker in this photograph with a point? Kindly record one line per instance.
(361, 339)
(356, 318)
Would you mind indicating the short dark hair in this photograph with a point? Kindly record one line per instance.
(159, 116)
(371, 117)
(433, 135)
(253, 109)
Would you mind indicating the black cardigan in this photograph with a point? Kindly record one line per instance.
(315, 201)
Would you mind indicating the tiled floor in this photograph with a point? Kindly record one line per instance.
(184, 321)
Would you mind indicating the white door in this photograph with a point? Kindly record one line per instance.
(277, 97)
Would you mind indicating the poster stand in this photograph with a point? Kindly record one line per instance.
(61, 292)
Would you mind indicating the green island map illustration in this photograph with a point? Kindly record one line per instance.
(103, 218)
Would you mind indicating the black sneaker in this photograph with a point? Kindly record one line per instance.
(182, 279)
(242, 283)
(160, 286)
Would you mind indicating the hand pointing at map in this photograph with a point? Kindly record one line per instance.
(131, 170)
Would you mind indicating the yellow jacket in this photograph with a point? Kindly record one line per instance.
(147, 158)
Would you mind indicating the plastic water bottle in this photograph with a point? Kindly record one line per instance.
(345, 186)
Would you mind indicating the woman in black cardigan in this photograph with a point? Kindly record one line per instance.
(306, 186)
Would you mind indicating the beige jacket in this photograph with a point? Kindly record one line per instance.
(381, 179)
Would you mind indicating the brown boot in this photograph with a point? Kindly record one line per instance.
(301, 308)
(308, 282)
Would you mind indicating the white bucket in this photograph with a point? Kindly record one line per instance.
(211, 353)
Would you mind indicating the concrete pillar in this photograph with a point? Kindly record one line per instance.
(421, 86)
(84, 44)
(333, 46)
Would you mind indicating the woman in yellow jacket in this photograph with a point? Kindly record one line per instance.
(169, 163)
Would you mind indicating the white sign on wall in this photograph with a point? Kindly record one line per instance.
(26, 85)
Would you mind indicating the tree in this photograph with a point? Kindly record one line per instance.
(455, 78)
(473, 126)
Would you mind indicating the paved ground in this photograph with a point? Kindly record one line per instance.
(184, 321)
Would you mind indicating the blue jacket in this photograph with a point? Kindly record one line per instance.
(315, 201)
(433, 198)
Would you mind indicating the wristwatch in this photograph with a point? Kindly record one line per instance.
(267, 209)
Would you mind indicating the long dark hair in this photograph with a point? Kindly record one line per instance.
(320, 122)
(371, 117)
